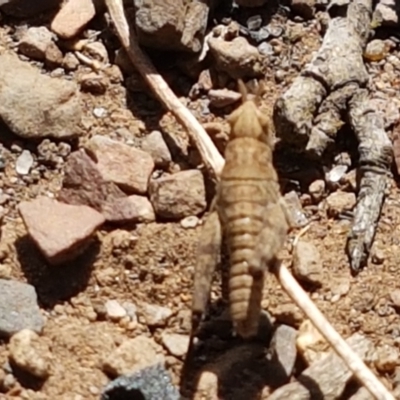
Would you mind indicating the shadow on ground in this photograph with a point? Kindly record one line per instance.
(55, 283)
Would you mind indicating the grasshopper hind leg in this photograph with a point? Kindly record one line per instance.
(208, 256)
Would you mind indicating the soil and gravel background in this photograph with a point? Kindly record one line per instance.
(99, 230)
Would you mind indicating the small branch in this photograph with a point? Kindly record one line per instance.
(209, 153)
(351, 359)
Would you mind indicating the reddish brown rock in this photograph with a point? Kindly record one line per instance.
(127, 167)
(73, 17)
(179, 195)
(61, 231)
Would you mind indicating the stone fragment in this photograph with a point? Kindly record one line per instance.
(386, 13)
(18, 308)
(386, 358)
(340, 202)
(70, 62)
(154, 144)
(154, 315)
(73, 17)
(34, 105)
(149, 384)
(295, 210)
(175, 343)
(220, 98)
(179, 195)
(190, 222)
(114, 310)
(129, 209)
(34, 42)
(283, 346)
(53, 56)
(376, 50)
(27, 8)
(30, 353)
(171, 25)
(317, 190)
(93, 83)
(132, 356)
(24, 163)
(127, 167)
(307, 265)
(66, 230)
(237, 58)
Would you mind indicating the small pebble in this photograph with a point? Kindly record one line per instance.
(114, 310)
(99, 112)
(190, 222)
(175, 343)
(376, 50)
(24, 163)
(317, 190)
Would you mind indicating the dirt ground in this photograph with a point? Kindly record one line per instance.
(157, 265)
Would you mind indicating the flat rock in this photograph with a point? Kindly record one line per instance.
(27, 8)
(171, 25)
(34, 105)
(132, 356)
(237, 58)
(151, 383)
(340, 202)
(175, 343)
(179, 195)
(129, 209)
(127, 167)
(307, 264)
(34, 42)
(73, 17)
(66, 230)
(153, 314)
(154, 144)
(18, 308)
(83, 184)
(30, 353)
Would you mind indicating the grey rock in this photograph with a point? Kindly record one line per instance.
(24, 163)
(34, 105)
(34, 42)
(18, 308)
(152, 383)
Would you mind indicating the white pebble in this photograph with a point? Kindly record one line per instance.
(114, 310)
(190, 222)
(24, 163)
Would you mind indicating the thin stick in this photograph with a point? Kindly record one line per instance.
(353, 362)
(209, 153)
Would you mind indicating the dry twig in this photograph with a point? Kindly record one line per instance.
(351, 359)
(210, 155)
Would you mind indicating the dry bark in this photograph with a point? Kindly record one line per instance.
(329, 92)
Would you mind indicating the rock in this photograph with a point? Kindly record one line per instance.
(66, 230)
(24, 163)
(34, 105)
(84, 185)
(34, 42)
(395, 297)
(295, 210)
(73, 17)
(129, 209)
(340, 202)
(386, 359)
(150, 383)
(70, 62)
(175, 343)
(179, 195)
(220, 98)
(132, 356)
(127, 167)
(154, 144)
(190, 222)
(237, 58)
(154, 315)
(93, 83)
(30, 353)
(304, 8)
(53, 56)
(317, 190)
(114, 310)
(336, 174)
(307, 265)
(283, 346)
(386, 13)
(27, 8)
(176, 25)
(18, 308)
(376, 50)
